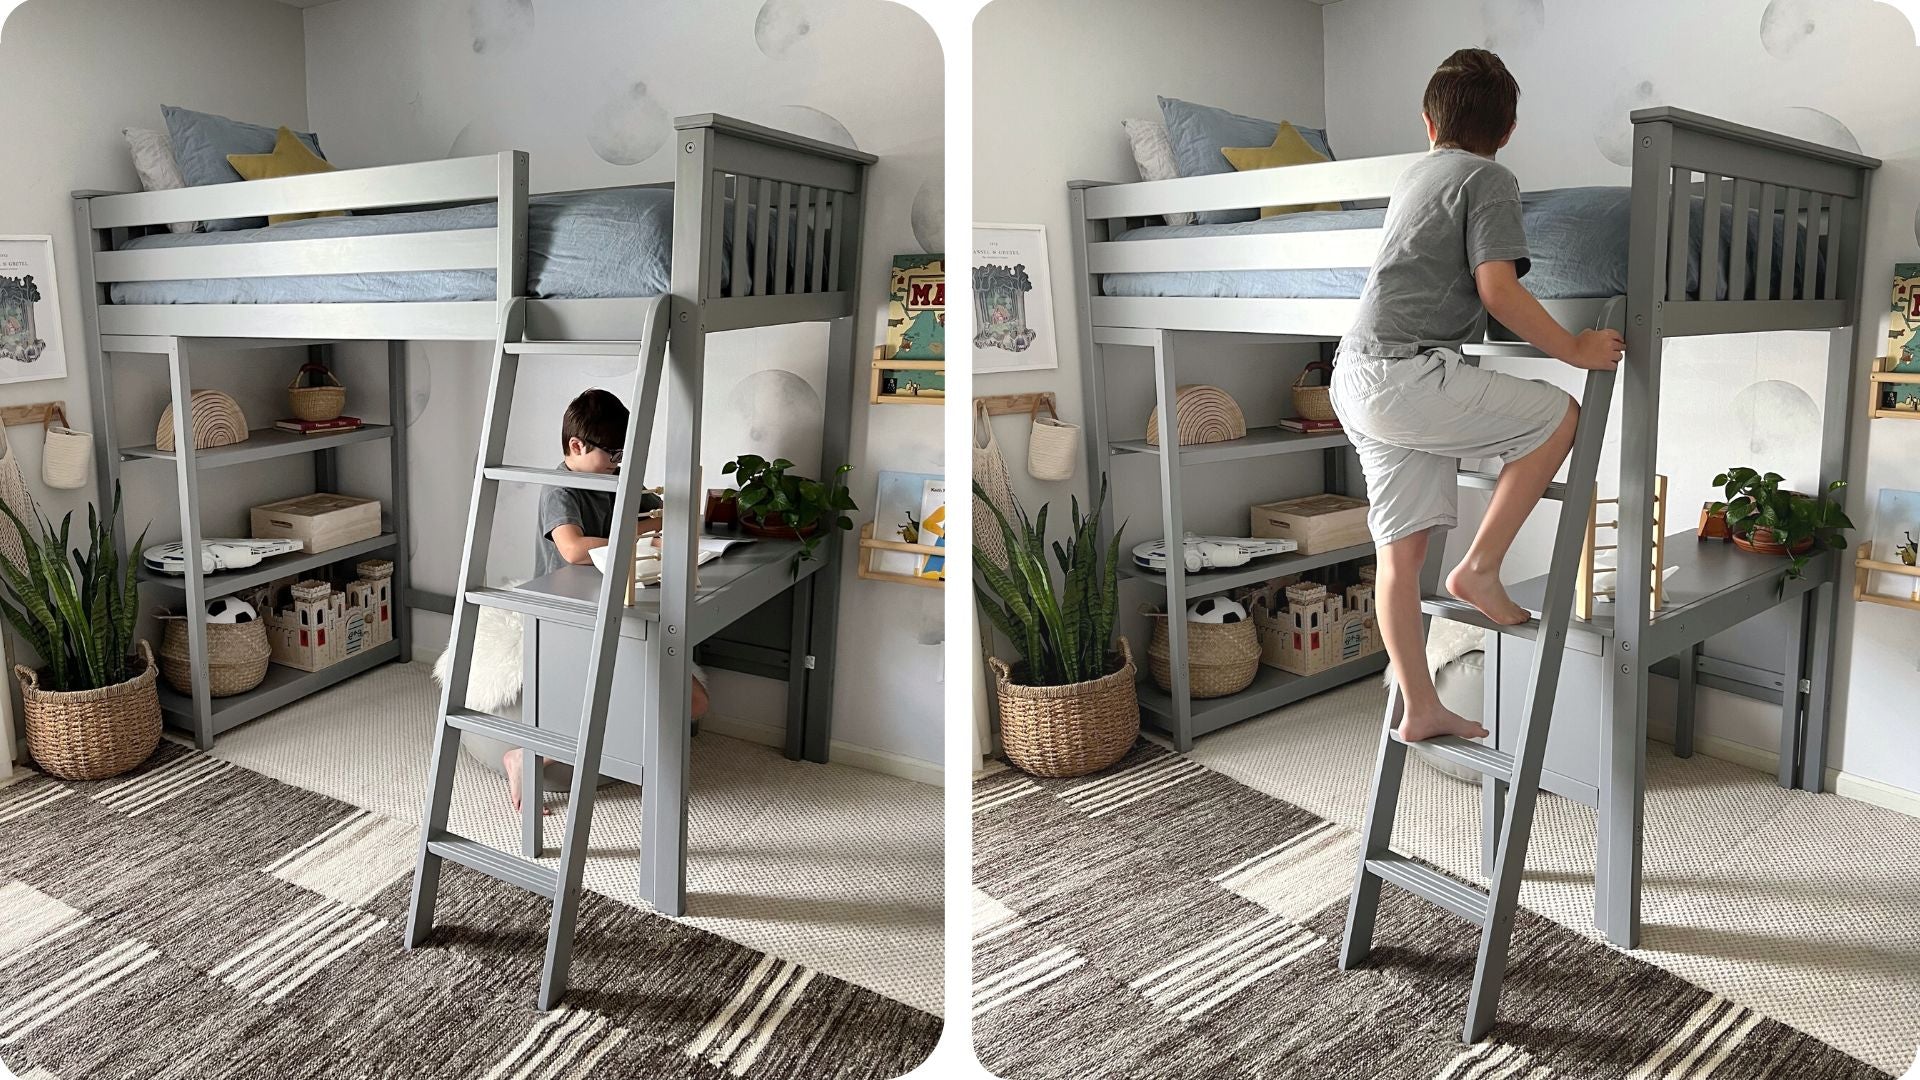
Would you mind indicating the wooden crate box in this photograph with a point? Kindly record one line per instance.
(1318, 523)
(320, 522)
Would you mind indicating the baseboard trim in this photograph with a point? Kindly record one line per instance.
(869, 758)
(1844, 784)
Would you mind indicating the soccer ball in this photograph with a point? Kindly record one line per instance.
(1216, 609)
(230, 609)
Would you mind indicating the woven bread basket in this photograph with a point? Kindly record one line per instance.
(1222, 658)
(92, 734)
(1314, 402)
(322, 401)
(216, 421)
(1072, 730)
(237, 655)
(1202, 414)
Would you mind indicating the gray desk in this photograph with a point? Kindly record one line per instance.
(1596, 750)
(750, 613)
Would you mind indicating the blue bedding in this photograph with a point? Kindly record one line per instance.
(1578, 237)
(611, 242)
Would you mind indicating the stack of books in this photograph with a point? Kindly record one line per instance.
(1305, 426)
(319, 427)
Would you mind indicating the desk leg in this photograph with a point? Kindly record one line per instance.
(664, 765)
(1617, 825)
(1819, 676)
(1794, 664)
(801, 630)
(1685, 701)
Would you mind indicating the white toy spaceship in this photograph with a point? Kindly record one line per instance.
(1210, 552)
(216, 555)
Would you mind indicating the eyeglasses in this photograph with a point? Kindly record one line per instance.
(612, 455)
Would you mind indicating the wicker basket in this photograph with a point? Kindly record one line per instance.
(92, 734)
(1314, 402)
(1068, 730)
(1202, 414)
(237, 655)
(217, 421)
(1222, 658)
(322, 400)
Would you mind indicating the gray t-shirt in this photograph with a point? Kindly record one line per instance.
(1451, 211)
(592, 511)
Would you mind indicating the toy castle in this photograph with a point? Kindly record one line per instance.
(312, 625)
(1317, 629)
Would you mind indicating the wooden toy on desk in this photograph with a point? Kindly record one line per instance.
(1713, 524)
(1587, 587)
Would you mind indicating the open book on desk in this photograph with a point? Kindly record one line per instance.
(648, 556)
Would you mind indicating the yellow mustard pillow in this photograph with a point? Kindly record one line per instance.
(1289, 148)
(290, 157)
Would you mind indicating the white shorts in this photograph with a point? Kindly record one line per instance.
(1414, 418)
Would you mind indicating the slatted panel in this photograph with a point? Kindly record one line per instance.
(1769, 216)
(824, 225)
(1789, 242)
(1810, 247)
(740, 280)
(1677, 234)
(1836, 222)
(840, 201)
(763, 241)
(716, 232)
(783, 249)
(1710, 241)
(803, 236)
(1737, 255)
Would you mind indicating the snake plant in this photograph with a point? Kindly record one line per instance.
(79, 615)
(1064, 635)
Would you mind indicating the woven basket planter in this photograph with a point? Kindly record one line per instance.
(322, 401)
(1070, 730)
(1202, 414)
(1314, 402)
(217, 421)
(92, 734)
(237, 656)
(1222, 658)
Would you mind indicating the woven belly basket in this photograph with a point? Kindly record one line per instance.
(1202, 414)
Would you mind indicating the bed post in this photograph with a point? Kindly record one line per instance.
(187, 484)
(510, 279)
(399, 400)
(845, 353)
(1173, 513)
(696, 220)
(1623, 736)
(1849, 234)
(106, 463)
(1093, 401)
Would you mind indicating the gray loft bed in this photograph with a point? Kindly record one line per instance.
(732, 179)
(1693, 176)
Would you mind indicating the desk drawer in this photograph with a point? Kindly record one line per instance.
(561, 659)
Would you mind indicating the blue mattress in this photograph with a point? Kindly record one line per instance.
(611, 242)
(1578, 237)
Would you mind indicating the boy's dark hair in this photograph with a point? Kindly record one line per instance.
(1472, 100)
(596, 418)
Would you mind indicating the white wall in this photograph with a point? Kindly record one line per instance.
(590, 89)
(1053, 79)
(1751, 399)
(75, 72)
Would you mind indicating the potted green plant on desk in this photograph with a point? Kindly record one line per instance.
(93, 711)
(1068, 707)
(772, 502)
(1764, 518)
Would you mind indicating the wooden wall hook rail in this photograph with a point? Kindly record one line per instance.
(40, 412)
(1005, 404)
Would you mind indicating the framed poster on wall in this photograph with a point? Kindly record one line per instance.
(30, 342)
(1012, 300)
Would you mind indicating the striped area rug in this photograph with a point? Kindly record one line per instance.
(1159, 920)
(195, 920)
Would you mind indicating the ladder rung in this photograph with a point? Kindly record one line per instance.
(1423, 881)
(498, 865)
(537, 605)
(541, 741)
(1481, 758)
(574, 348)
(1446, 607)
(1485, 481)
(566, 478)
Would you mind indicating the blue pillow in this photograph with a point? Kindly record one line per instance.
(201, 143)
(1199, 132)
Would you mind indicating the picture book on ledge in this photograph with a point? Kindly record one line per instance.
(1903, 350)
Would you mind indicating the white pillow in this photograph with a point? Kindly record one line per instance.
(1153, 153)
(153, 160)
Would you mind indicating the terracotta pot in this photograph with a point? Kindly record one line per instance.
(1761, 542)
(773, 527)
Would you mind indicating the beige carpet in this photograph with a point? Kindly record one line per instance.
(1803, 907)
(832, 867)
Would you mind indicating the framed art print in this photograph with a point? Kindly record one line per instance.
(1012, 300)
(30, 341)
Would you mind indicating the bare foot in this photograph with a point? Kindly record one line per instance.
(515, 760)
(1484, 591)
(1419, 726)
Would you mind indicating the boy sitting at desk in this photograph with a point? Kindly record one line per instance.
(574, 522)
(1453, 252)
